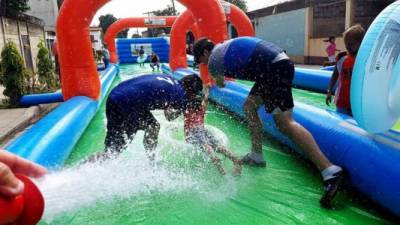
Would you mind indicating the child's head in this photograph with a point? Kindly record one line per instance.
(202, 50)
(353, 37)
(193, 86)
(332, 39)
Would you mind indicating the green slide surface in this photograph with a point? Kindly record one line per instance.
(286, 192)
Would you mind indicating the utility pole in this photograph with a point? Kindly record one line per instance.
(173, 6)
(149, 14)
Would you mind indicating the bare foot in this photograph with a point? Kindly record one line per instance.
(237, 168)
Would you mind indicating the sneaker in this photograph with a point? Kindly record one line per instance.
(250, 160)
(331, 187)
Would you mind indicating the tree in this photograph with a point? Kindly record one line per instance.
(12, 73)
(106, 21)
(242, 4)
(169, 11)
(135, 35)
(45, 67)
(19, 6)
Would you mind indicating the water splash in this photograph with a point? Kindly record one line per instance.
(178, 168)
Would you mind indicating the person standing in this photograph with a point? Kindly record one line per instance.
(154, 61)
(106, 56)
(331, 49)
(272, 71)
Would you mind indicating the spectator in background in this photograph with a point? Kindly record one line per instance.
(189, 49)
(344, 69)
(141, 55)
(331, 49)
(106, 56)
(54, 51)
(154, 61)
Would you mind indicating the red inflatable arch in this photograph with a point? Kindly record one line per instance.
(178, 58)
(80, 77)
(118, 26)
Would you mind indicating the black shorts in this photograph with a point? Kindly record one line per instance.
(275, 87)
(121, 127)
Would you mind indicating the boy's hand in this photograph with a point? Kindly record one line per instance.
(328, 98)
(220, 81)
(171, 113)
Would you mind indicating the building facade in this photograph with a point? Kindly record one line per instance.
(26, 32)
(301, 26)
(46, 10)
(95, 38)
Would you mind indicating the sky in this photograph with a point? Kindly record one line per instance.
(132, 8)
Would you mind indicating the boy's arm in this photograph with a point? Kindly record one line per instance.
(171, 113)
(205, 98)
(332, 83)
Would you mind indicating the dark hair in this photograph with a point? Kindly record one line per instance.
(353, 37)
(341, 55)
(192, 84)
(330, 39)
(199, 47)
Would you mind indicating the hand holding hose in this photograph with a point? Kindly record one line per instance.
(11, 164)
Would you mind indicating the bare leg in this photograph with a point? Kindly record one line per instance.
(255, 126)
(236, 161)
(214, 159)
(150, 140)
(303, 138)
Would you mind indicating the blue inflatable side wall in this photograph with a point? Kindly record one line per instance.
(36, 99)
(313, 80)
(50, 141)
(158, 45)
(46, 98)
(372, 161)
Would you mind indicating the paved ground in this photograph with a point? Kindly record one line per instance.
(14, 121)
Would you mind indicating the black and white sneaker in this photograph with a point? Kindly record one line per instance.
(254, 159)
(331, 187)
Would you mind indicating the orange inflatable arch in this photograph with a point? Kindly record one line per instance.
(118, 26)
(185, 22)
(80, 77)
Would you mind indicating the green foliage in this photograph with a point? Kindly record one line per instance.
(123, 34)
(106, 21)
(136, 35)
(45, 67)
(17, 5)
(242, 4)
(12, 73)
(169, 11)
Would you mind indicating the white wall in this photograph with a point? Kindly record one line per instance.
(47, 10)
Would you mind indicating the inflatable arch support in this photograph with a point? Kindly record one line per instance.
(118, 26)
(178, 58)
(80, 76)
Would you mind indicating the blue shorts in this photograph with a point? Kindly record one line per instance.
(274, 86)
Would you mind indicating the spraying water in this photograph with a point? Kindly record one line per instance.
(178, 168)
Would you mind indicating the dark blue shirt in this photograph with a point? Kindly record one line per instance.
(149, 92)
(244, 58)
